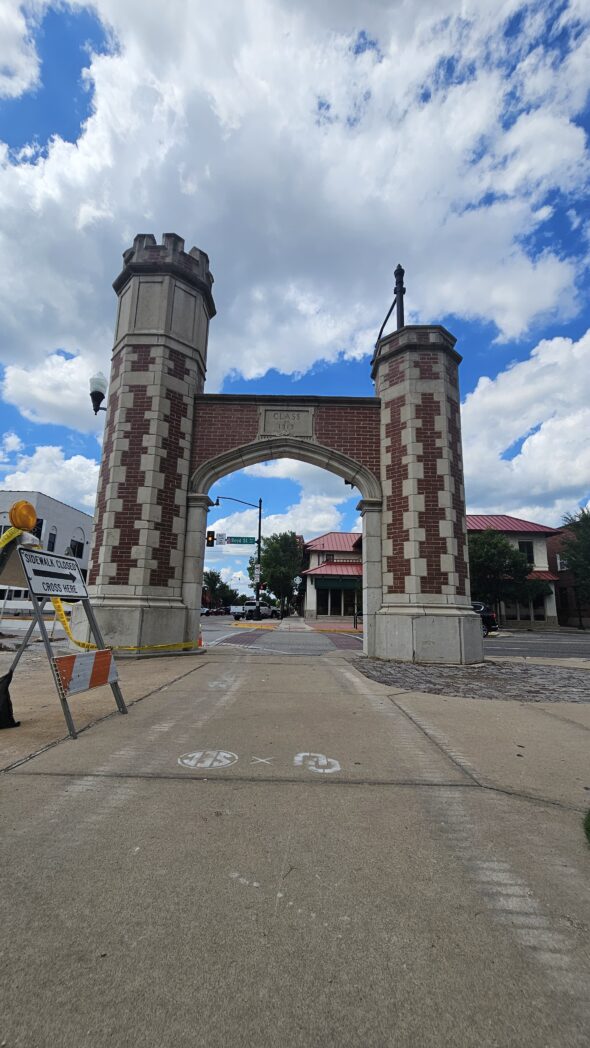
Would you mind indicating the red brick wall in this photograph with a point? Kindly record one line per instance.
(435, 423)
(459, 529)
(396, 504)
(352, 430)
(103, 481)
(220, 427)
(433, 546)
(137, 425)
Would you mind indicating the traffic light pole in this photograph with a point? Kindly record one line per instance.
(257, 612)
(230, 498)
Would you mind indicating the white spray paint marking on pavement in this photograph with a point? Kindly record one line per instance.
(507, 896)
(222, 683)
(415, 745)
(317, 762)
(108, 794)
(511, 900)
(210, 759)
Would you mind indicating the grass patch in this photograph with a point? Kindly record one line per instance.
(587, 826)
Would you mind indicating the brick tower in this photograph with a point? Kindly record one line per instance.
(137, 573)
(426, 613)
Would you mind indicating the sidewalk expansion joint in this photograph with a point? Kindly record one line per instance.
(247, 780)
(252, 780)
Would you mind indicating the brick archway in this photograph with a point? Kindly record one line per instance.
(355, 473)
(166, 441)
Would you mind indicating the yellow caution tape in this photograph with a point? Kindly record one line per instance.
(9, 535)
(61, 615)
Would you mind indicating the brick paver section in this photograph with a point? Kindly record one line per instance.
(530, 683)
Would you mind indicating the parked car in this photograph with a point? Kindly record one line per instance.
(489, 622)
(249, 610)
(205, 611)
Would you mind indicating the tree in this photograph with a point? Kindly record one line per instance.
(499, 571)
(226, 596)
(212, 582)
(220, 594)
(281, 561)
(576, 550)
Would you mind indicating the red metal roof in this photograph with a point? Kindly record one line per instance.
(545, 576)
(500, 522)
(335, 542)
(335, 567)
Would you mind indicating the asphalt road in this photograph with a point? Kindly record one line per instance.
(558, 644)
(273, 852)
(549, 645)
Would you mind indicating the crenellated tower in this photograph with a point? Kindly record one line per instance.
(137, 574)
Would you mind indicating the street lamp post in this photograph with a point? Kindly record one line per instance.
(98, 390)
(228, 498)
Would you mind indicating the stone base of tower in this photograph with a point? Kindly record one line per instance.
(427, 633)
(133, 623)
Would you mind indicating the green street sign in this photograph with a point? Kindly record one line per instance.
(239, 540)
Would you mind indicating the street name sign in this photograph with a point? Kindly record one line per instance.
(49, 575)
(240, 540)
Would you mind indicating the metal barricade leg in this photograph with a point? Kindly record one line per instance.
(94, 628)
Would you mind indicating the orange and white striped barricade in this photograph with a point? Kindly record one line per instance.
(58, 577)
(85, 670)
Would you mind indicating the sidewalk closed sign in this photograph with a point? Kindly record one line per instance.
(51, 576)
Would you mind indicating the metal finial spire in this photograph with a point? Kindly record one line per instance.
(398, 299)
(399, 294)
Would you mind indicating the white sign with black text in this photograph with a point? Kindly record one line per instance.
(49, 575)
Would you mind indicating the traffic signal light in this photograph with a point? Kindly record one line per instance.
(210, 538)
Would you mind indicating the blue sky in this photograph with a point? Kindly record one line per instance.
(307, 151)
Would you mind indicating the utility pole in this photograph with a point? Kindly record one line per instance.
(259, 544)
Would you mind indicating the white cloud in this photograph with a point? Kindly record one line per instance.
(544, 402)
(313, 479)
(56, 390)
(72, 480)
(9, 444)
(311, 515)
(306, 171)
(303, 210)
(19, 62)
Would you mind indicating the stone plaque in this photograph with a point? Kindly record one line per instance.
(279, 422)
(184, 306)
(149, 300)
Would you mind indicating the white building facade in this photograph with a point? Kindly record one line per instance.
(60, 528)
(531, 539)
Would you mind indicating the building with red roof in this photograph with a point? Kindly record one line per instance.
(531, 539)
(334, 572)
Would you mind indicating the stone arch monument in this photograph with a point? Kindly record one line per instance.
(167, 441)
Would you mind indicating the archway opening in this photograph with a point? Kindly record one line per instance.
(320, 495)
(296, 498)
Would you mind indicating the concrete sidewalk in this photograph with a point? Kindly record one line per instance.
(539, 749)
(285, 854)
